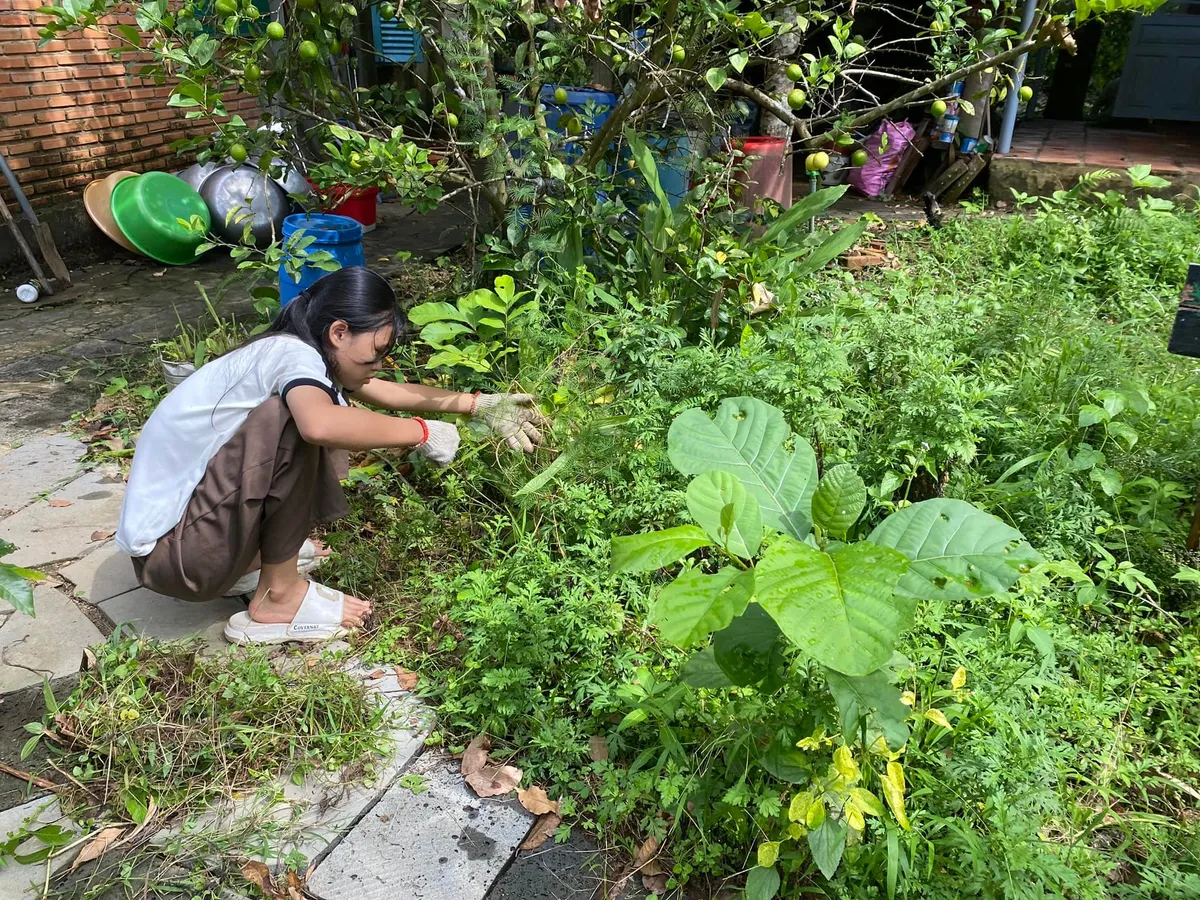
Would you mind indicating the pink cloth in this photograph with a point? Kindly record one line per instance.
(873, 176)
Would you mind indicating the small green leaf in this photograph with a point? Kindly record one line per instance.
(15, 590)
(716, 78)
(762, 884)
(720, 505)
(655, 549)
(839, 500)
(786, 763)
(738, 60)
(1092, 415)
(695, 605)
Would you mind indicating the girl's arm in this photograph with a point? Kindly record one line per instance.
(326, 424)
(398, 397)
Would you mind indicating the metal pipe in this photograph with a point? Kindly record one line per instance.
(1004, 145)
(16, 189)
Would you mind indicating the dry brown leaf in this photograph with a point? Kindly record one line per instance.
(98, 846)
(646, 859)
(259, 875)
(492, 781)
(655, 884)
(59, 504)
(102, 535)
(378, 673)
(295, 886)
(475, 756)
(407, 679)
(535, 800)
(542, 831)
(598, 748)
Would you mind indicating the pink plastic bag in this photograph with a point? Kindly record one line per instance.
(873, 177)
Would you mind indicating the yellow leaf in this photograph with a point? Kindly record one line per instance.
(854, 817)
(796, 831)
(798, 809)
(908, 698)
(937, 717)
(866, 801)
(843, 761)
(880, 747)
(768, 853)
(893, 792)
(959, 681)
(721, 256)
(815, 815)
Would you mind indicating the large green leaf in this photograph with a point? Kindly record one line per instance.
(15, 590)
(955, 551)
(745, 439)
(827, 844)
(830, 249)
(440, 333)
(655, 549)
(649, 169)
(837, 607)
(702, 671)
(802, 211)
(839, 500)
(730, 516)
(747, 649)
(436, 312)
(873, 697)
(762, 883)
(695, 605)
(786, 763)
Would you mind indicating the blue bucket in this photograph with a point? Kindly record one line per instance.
(341, 236)
(577, 105)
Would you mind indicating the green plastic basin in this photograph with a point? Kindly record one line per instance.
(147, 208)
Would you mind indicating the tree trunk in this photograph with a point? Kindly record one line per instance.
(777, 84)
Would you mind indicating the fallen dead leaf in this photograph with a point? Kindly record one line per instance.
(493, 781)
(535, 800)
(102, 535)
(295, 886)
(598, 748)
(542, 831)
(407, 679)
(655, 884)
(98, 846)
(646, 860)
(59, 504)
(475, 756)
(259, 875)
(378, 673)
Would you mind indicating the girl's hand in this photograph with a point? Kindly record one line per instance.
(440, 444)
(511, 417)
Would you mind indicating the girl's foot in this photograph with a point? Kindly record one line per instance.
(320, 614)
(278, 605)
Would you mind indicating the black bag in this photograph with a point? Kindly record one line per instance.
(1185, 335)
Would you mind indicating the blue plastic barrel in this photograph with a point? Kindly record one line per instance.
(341, 236)
(673, 159)
(577, 105)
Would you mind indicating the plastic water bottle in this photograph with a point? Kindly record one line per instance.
(28, 292)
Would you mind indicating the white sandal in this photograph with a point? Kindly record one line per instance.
(319, 618)
(308, 563)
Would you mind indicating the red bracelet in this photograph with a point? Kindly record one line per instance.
(475, 401)
(424, 430)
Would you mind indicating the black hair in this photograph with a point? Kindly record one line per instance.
(361, 298)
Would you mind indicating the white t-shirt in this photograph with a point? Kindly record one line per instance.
(195, 420)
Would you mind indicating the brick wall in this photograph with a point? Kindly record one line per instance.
(70, 113)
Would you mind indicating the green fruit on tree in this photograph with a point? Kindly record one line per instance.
(356, 162)
(252, 72)
(796, 98)
(226, 7)
(237, 153)
(1025, 93)
(794, 72)
(309, 51)
(387, 11)
(574, 126)
(858, 159)
(251, 12)
(616, 59)
(815, 162)
(678, 54)
(937, 109)
(560, 96)
(452, 120)
(275, 31)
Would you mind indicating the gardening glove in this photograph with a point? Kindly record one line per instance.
(440, 443)
(511, 417)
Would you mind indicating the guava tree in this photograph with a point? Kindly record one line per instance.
(818, 69)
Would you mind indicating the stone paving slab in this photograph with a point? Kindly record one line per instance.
(574, 870)
(35, 467)
(18, 882)
(442, 844)
(165, 617)
(46, 534)
(49, 645)
(104, 573)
